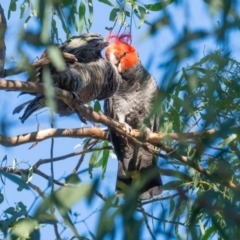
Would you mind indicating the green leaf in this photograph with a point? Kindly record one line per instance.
(158, 6)
(202, 61)
(15, 179)
(97, 106)
(105, 158)
(30, 174)
(106, 2)
(73, 179)
(56, 58)
(22, 207)
(199, 69)
(1, 198)
(81, 14)
(228, 140)
(142, 12)
(74, 20)
(90, 17)
(64, 25)
(26, 21)
(49, 90)
(46, 218)
(93, 161)
(176, 119)
(208, 233)
(54, 23)
(3, 160)
(23, 227)
(173, 184)
(68, 196)
(10, 210)
(22, 10)
(24, 179)
(201, 227)
(121, 17)
(67, 2)
(12, 7)
(113, 14)
(171, 208)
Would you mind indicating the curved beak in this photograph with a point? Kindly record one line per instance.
(106, 42)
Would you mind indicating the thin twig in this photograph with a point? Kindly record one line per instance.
(83, 155)
(146, 222)
(100, 195)
(44, 161)
(51, 156)
(26, 172)
(161, 219)
(164, 198)
(38, 190)
(40, 173)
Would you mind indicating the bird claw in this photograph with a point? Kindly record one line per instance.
(88, 107)
(128, 128)
(82, 119)
(146, 133)
(75, 96)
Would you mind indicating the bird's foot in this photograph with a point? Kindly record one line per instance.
(75, 96)
(146, 133)
(88, 107)
(82, 119)
(127, 128)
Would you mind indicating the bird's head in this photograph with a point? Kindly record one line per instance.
(120, 53)
(85, 43)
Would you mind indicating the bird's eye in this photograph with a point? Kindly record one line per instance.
(123, 55)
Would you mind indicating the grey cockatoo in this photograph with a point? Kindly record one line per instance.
(90, 77)
(131, 105)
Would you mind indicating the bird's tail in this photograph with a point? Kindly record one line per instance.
(143, 177)
(37, 103)
(20, 107)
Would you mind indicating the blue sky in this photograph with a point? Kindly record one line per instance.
(194, 14)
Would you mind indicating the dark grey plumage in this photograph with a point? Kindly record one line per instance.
(131, 105)
(90, 77)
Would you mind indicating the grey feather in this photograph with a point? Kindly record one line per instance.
(91, 77)
(132, 104)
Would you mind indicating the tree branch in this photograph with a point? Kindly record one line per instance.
(44, 161)
(26, 172)
(100, 118)
(161, 219)
(41, 135)
(3, 27)
(97, 133)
